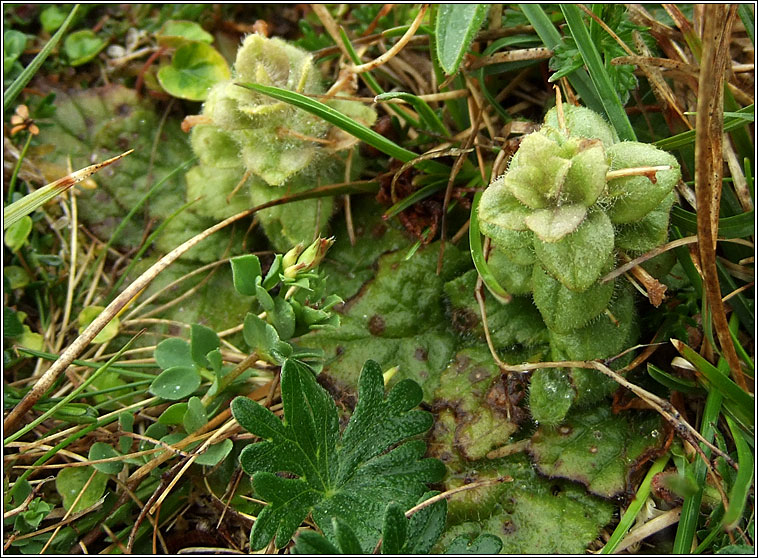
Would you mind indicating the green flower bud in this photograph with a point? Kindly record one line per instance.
(583, 123)
(310, 258)
(290, 258)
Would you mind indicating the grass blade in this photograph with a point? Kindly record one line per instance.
(44, 416)
(688, 137)
(20, 82)
(30, 202)
(741, 487)
(685, 532)
(477, 255)
(422, 108)
(346, 124)
(737, 226)
(634, 508)
(745, 403)
(455, 26)
(371, 81)
(551, 38)
(611, 103)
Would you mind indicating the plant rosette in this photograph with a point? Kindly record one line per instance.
(572, 198)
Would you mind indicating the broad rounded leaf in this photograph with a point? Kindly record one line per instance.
(598, 448)
(71, 481)
(101, 450)
(215, 453)
(173, 352)
(82, 46)
(245, 271)
(176, 383)
(195, 68)
(175, 33)
(174, 414)
(195, 416)
(17, 233)
(203, 340)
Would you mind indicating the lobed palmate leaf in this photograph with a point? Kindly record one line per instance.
(351, 476)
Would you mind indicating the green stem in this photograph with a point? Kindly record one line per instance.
(17, 168)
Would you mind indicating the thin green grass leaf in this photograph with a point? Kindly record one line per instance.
(744, 402)
(598, 74)
(346, 124)
(36, 199)
(25, 77)
(634, 508)
(737, 226)
(477, 255)
(371, 81)
(748, 20)
(426, 113)
(672, 382)
(688, 137)
(455, 26)
(551, 38)
(741, 487)
(96, 374)
(688, 520)
(415, 197)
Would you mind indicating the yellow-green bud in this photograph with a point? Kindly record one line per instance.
(310, 258)
(290, 258)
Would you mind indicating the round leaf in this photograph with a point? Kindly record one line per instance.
(17, 276)
(82, 46)
(173, 352)
(176, 383)
(174, 414)
(215, 453)
(101, 450)
(195, 68)
(70, 482)
(17, 233)
(175, 33)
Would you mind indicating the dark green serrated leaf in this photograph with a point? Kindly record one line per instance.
(394, 529)
(347, 478)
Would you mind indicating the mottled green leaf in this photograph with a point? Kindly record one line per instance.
(483, 544)
(398, 319)
(597, 448)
